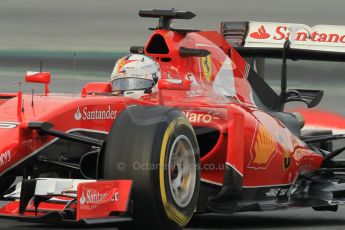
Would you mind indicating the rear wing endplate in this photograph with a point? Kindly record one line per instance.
(266, 39)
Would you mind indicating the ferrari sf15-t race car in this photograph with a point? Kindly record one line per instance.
(213, 138)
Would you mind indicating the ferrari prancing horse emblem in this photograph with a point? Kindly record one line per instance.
(206, 67)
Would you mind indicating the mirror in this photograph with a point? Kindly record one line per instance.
(39, 77)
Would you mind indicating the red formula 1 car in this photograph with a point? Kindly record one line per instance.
(214, 137)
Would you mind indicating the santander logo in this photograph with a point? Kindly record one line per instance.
(277, 33)
(87, 113)
(316, 36)
(78, 115)
(260, 34)
(94, 197)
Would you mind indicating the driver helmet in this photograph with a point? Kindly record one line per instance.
(135, 74)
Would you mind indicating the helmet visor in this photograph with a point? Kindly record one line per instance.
(129, 83)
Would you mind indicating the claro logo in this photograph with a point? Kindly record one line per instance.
(92, 197)
(200, 117)
(85, 113)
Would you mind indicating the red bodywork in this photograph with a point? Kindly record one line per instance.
(250, 141)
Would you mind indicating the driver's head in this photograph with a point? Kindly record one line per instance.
(135, 72)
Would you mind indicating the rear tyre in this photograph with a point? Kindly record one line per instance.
(156, 147)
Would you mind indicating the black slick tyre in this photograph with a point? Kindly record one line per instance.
(156, 147)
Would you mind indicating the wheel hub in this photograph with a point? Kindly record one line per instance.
(182, 174)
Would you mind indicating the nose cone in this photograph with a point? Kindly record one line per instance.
(7, 132)
(8, 144)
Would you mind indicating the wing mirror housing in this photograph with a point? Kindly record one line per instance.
(174, 84)
(39, 77)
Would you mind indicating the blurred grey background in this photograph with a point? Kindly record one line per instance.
(109, 25)
(99, 31)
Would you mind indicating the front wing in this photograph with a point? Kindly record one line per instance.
(56, 201)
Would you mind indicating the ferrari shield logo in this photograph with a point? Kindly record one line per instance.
(206, 67)
(287, 159)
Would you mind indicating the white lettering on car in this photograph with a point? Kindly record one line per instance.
(95, 114)
(92, 197)
(200, 117)
(5, 158)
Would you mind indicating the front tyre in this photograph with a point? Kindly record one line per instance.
(156, 147)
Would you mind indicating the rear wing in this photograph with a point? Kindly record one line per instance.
(266, 40)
